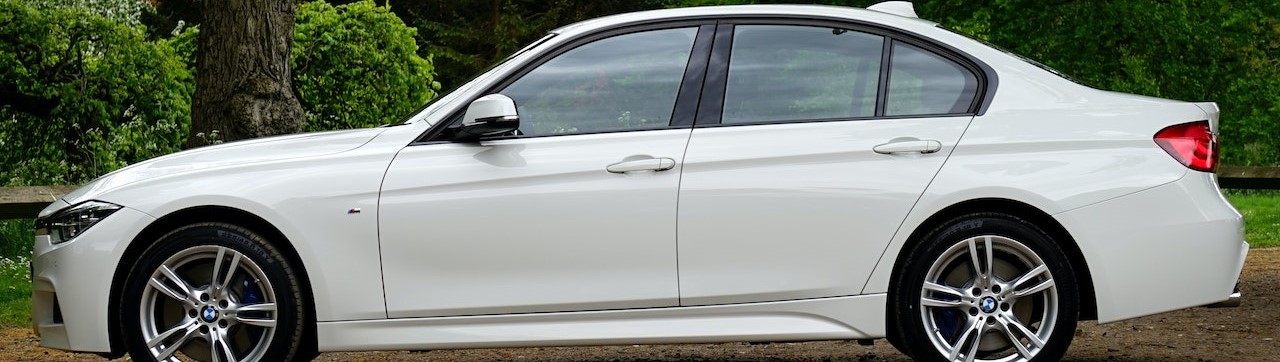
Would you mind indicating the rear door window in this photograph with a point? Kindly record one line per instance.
(785, 73)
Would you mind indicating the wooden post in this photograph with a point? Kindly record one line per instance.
(1237, 177)
(24, 202)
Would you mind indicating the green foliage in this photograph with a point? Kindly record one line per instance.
(357, 65)
(466, 37)
(84, 95)
(120, 11)
(1218, 50)
(16, 238)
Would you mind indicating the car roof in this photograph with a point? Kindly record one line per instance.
(747, 11)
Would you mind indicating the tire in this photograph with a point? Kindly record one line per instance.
(174, 309)
(1025, 309)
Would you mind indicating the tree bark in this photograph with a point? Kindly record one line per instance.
(244, 86)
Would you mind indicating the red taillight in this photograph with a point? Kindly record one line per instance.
(1192, 144)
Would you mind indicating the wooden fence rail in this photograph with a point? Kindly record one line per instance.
(24, 202)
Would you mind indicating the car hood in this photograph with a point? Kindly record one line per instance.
(225, 155)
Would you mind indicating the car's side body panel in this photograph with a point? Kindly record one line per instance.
(799, 210)
(1060, 147)
(857, 317)
(531, 225)
(1187, 252)
(312, 201)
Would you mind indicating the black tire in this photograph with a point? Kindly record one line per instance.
(255, 312)
(966, 314)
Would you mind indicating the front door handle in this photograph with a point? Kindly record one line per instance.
(908, 145)
(648, 164)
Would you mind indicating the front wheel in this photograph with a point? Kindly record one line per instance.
(212, 292)
(985, 287)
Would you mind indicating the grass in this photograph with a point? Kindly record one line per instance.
(1261, 210)
(16, 238)
(15, 292)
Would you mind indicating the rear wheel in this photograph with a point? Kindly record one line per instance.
(212, 292)
(985, 287)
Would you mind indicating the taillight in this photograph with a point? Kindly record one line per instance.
(1192, 144)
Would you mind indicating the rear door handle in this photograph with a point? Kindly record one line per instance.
(908, 145)
(648, 164)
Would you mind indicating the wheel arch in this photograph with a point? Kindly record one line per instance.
(208, 213)
(1088, 300)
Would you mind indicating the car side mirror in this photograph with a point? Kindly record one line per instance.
(490, 115)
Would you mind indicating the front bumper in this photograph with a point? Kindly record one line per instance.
(71, 283)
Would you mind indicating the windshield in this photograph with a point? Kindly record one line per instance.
(1016, 55)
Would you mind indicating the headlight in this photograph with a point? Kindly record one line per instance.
(67, 224)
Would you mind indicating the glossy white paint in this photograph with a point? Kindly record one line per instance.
(779, 225)
(1187, 253)
(899, 8)
(793, 211)
(531, 225)
(79, 275)
(858, 317)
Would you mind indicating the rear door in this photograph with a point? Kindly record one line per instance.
(810, 148)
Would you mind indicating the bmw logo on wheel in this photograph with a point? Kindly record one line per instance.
(209, 314)
(987, 304)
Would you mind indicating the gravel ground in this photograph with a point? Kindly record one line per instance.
(1247, 333)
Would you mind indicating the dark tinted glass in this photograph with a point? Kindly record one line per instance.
(779, 73)
(921, 82)
(620, 83)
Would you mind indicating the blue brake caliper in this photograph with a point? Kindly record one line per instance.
(250, 296)
(947, 319)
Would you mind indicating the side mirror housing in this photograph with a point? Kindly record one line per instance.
(490, 115)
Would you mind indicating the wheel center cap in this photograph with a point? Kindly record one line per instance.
(209, 314)
(987, 304)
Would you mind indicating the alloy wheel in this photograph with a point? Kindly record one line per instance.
(989, 298)
(208, 303)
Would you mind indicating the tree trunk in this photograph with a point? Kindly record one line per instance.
(244, 87)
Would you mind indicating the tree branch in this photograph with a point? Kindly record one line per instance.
(33, 105)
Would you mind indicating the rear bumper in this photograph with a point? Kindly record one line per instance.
(1232, 301)
(1171, 247)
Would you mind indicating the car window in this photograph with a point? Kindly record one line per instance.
(921, 83)
(779, 73)
(625, 82)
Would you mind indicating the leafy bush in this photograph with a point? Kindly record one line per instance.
(84, 94)
(121, 11)
(357, 65)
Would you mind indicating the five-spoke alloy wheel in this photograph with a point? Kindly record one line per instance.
(985, 287)
(212, 292)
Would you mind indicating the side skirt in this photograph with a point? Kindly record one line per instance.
(838, 318)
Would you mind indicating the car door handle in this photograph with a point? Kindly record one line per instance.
(648, 164)
(908, 145)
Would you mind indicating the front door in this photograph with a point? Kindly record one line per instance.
(574, 212)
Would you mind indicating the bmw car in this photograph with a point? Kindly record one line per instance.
(713, 174)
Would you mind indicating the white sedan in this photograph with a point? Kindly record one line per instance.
(746, 173)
